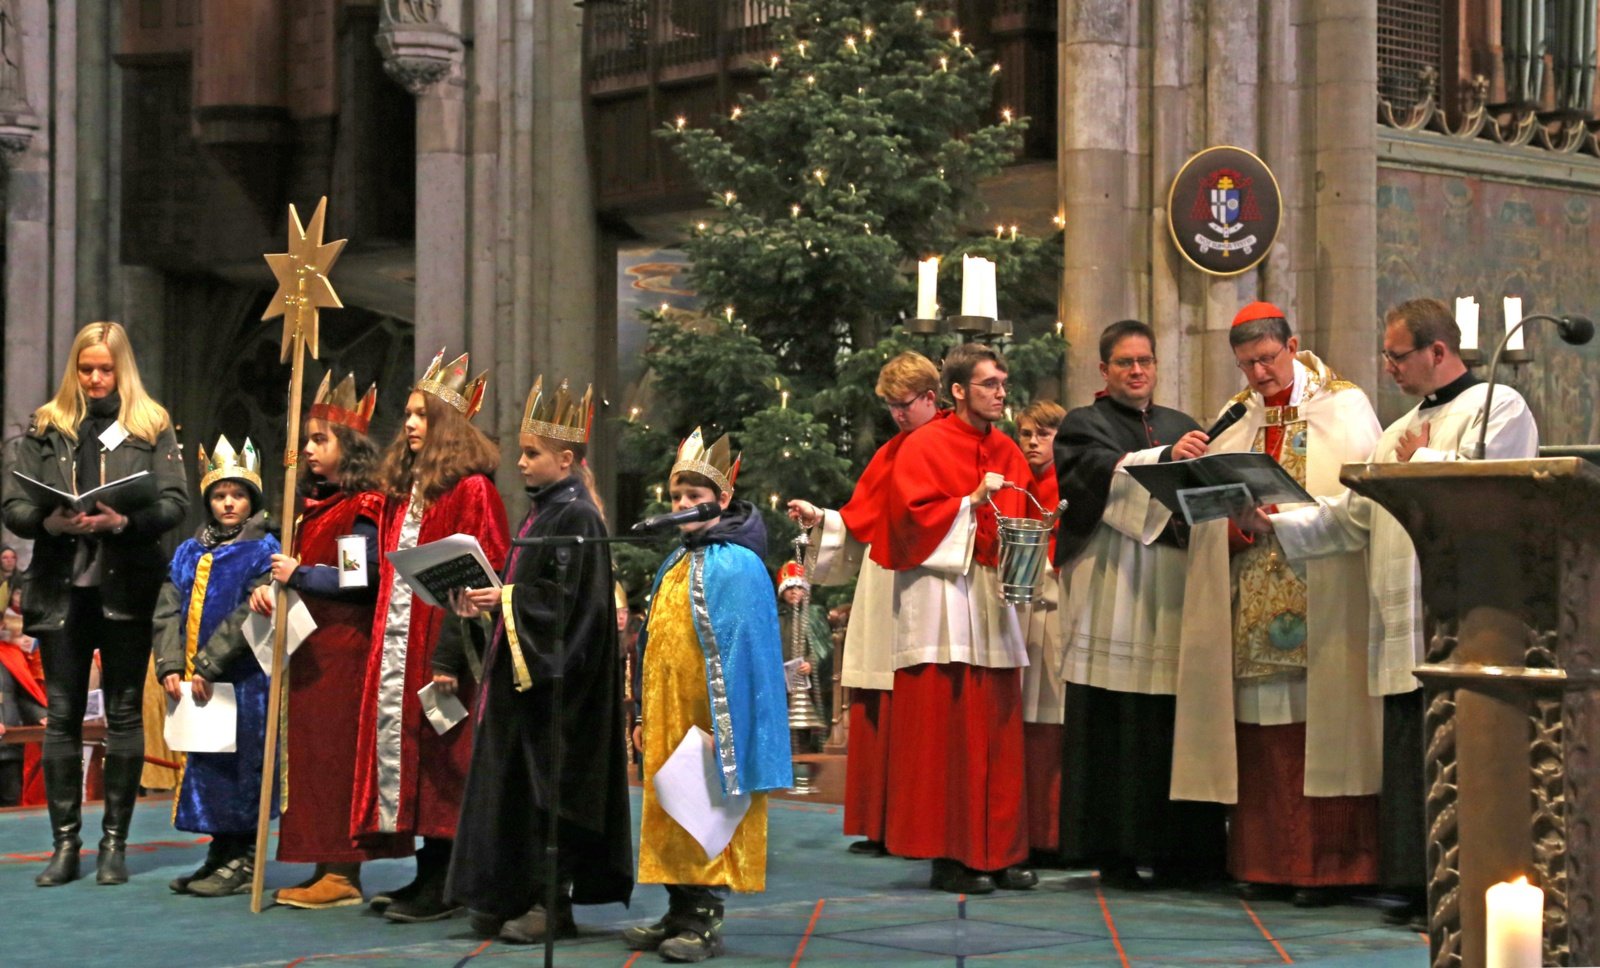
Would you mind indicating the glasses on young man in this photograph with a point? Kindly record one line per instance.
(1129, 362)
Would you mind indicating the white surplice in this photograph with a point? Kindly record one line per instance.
(1124, 594)
(1350, 522)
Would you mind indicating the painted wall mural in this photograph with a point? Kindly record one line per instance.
(1447, 235)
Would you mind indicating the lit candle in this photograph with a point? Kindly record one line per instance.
(783, 400)
(658, 493)
(1515, 925)
(772, 499)
(1513, 317)
(928, 287)
(1467, 319)
(977, 287)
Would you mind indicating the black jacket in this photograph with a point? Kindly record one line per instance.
(133, 564)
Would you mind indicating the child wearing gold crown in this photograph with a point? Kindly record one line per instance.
(339, 499)
(409, 778)
(711, 660)
(498, 869)
(199, 639)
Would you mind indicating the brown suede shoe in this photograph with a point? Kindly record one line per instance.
(332, 891)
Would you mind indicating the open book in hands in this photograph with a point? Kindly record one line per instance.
(124, 494)
(1218, 485)
(437, 568)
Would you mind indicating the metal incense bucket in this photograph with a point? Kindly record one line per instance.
(1024, 548)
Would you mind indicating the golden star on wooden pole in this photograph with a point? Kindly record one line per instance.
(303, 286)
(303, 291)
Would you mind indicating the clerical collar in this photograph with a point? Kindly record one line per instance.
(1118, 404)
(1451, 390)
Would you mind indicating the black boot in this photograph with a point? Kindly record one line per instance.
(63, 787)
(122, 774)
(428, 903)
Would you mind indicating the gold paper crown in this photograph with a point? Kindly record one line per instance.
(716, 462)
(339, 405)
(558, 415)
(224, 464)
(450, 384)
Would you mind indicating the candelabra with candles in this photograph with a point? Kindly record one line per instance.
(979, 316)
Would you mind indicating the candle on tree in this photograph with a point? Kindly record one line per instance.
(928, 287)
(1514, 929)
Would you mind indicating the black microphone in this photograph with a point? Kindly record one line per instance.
(700, 512)
(1575, 330)
(1229, 417)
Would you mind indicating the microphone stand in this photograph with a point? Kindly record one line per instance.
(1572, 331)
(563, 545)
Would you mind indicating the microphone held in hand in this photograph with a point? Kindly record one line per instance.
(700, 512)
(1229, 417)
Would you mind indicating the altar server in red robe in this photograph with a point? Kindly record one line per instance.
(846, 545)
(955, 744)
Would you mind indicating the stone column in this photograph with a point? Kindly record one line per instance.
(422, 50)
(1346, 152)
(30, 365)
(1099, 160)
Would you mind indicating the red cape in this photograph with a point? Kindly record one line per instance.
(16, 663)
(940, 463)
(433, 768)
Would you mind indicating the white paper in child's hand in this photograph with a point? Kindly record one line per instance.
(689, 787)
(209, 727)
(258, 630)
(443, 711)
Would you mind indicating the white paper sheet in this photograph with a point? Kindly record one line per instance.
(258, 631)
(689, 787)
(94, 707)
(793, 678)
(443, 711)
(209, 728)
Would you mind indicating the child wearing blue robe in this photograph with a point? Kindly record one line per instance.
(199, 639)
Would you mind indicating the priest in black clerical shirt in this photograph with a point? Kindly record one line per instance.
(1122, 572)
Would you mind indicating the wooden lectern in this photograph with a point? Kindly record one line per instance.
(1510, 565)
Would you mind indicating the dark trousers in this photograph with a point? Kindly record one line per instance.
(1402, 820)
(68, 655)
(10, 783)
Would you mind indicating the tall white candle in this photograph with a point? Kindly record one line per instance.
(977, 287)
(1467, 319)
(1514, 928)
(928, 287)
(1513, 317)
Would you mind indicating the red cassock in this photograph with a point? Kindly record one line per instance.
(866, 778)
(1043, 740)
(324, 700)
(955, 743)
(432, 768)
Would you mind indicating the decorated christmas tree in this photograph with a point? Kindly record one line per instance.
(861, 153)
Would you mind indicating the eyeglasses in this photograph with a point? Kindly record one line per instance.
(1129, 362)
(993, 385)
(1393, 359)
(1264, 362)
(903, 405)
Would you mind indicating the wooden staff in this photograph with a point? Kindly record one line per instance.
(303, 289)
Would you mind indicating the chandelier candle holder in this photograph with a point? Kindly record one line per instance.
(926, 322)
(1516, 351)
(1467, 320)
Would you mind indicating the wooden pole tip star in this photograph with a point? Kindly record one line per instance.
(303, 286)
